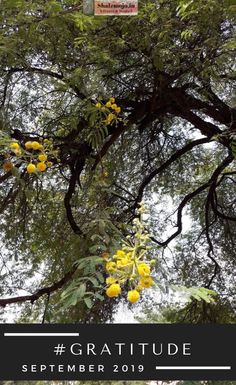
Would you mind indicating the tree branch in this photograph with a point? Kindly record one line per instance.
(186, 199)
(209, 202)
(52, 74)
(190, 196)
(68, 196)
(39, 293)
(161, 168)
(207, 128)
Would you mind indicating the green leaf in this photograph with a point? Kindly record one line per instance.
(80, 292)
(99, 296)
(94, 281)
(100, 277)
(88, 302)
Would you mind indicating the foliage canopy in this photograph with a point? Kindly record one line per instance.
(171, 71)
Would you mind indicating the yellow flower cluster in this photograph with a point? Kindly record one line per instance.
(111, 108)
(130, 266)
(34, 153)
(126, 267)
(38, 161)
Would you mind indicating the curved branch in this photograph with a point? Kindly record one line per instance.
(39, 293)
(214, 183)
(52, 74)
(210, 253)
(68, 196)
(219, 213)
(4, 94)
(37, 70)
(182, 205)
(210, 202)
(214, 200)
(190, 196)
(161, 168)
(10, 198)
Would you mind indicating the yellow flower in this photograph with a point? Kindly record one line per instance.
(120, 253)
(133, 296)
(123, 262)
(42, 157)
(40, 147)
(146, 282)
(14, 146)
(114, 290)
(110, 118)
(117, 110)
(41, 166)
(114, 106)
(108, 104)
(110, 266)
(110, 280)
(28, 145)
(98, 105)
(112, 100)
(8, 166)
(31, 168)
(18, 152)
(49, 164)
(143, 269)
(36, 145)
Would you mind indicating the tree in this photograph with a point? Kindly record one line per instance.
(167, 137)
(220, 312)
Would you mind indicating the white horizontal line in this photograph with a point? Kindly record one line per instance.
(41, 334)
(193, 367)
